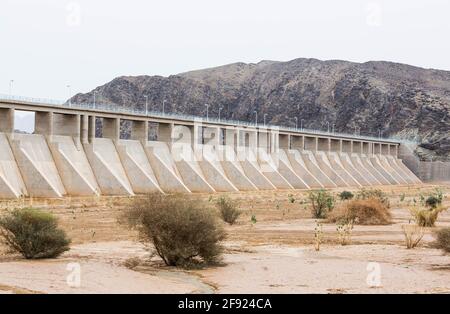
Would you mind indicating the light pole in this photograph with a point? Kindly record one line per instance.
(220, 109)
(265, 115)
(94, 98)
(301, 124)
(328, 126)
(256, 117)
(379, 133)
(11, 82)
(146, 105)
(296, 123)
(207, 112)
(333, 128)
(164, 102)
(70, 93)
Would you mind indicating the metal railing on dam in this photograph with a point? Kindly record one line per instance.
(113, 108)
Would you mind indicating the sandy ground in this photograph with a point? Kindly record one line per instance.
(275, 255)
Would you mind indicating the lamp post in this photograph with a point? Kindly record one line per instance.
(146, 105)
(207, 112)
(256, 117)
(333, 128)
(328, 126)
(94, 98)
(11, 82)
(379, 133)
(220, 109)
(70, 93)
(265, 115)
(164, 102)
(296, 123)
(301, 124)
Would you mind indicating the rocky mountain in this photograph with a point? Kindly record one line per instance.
(372, 98)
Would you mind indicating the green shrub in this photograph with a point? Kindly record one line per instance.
(432, 201)
(182, 230)
(291, 198)
(364, 194)
(346, 195)
(33, 233)
(228, 210)
(443, 239)
(322, 203)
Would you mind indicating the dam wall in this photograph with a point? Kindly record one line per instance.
(66, 157)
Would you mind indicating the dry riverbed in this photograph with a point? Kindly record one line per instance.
(275, 255)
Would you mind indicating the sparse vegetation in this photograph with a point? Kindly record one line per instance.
(346, 195)
(33, 233)
(322, 203)
(443, 239)
(253, 219)
(413, 235)
(364, 194)
(182, 230)
(369, 211)
(228, 209)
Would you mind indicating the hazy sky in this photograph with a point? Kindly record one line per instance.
(48, 44)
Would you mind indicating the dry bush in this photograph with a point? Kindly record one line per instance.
(443, 239)
(345, 232)
(364, 194)
(132, 262)
(413, 235)
(228, 209)
(362, 212)
(426, 217)
(33, 233)
(182, 230)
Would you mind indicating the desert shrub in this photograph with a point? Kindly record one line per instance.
(291, 199)
(432, 201)
(318, 234)
(346, 195)
(426, 217)
(228, 210)
(182, 230)
(253, 219)
(33, 233)
(413, 235)
(363, 212)
(443, 239)
(322, 203)
(364, 194)
(344, 231)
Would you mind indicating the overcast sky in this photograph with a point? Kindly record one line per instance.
(49, 44)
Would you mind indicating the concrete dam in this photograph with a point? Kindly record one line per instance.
(64, 157)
